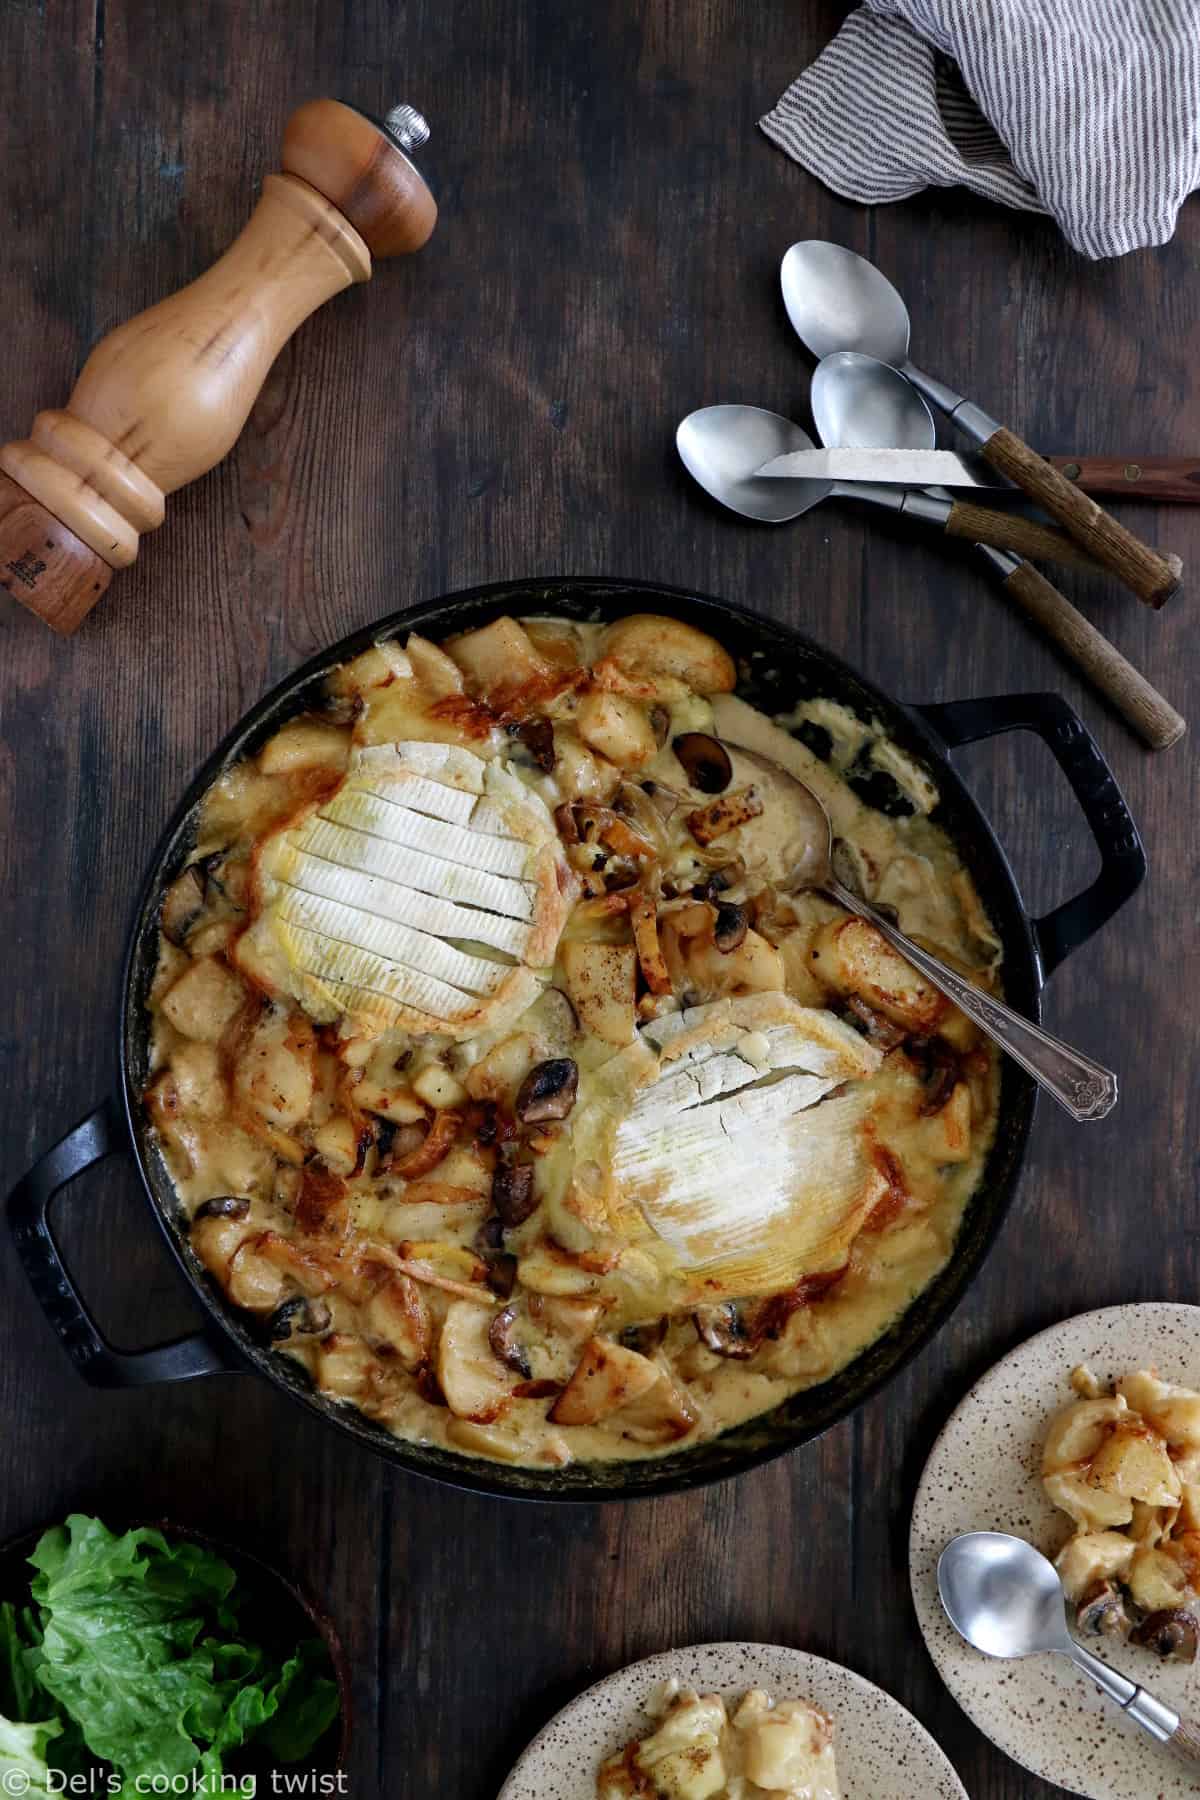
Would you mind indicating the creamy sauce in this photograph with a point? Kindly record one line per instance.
(355, 1234)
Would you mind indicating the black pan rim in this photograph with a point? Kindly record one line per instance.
(735, 1451)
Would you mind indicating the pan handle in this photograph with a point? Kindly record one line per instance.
(99, 1135)
(1122, 857)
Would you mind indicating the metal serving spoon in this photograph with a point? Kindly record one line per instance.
(1082, 1087)
(859, 402)
(722, 446)
(1006, 1599)
(839, 301)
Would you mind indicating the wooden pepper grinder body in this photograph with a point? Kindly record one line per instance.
(164, 397)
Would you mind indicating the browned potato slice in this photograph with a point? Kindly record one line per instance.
(602, 985)
(305, 744)
(475, 1383)
(397, 1317)
(662, 1414)
(607, 1377)
(276, 1069)
(946, 1136)
(647, 644)
(1135, 1465)
(204, 1000)
(616, 728)
(498, 657)
(852, 957)
(724, 814)
(438, 675)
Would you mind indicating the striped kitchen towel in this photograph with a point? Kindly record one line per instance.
(1088, 110)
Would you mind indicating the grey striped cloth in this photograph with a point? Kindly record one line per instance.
(1088, 110)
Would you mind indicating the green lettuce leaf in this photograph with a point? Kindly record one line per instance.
(20, 1640)
(23, 1767)
(142, 1650)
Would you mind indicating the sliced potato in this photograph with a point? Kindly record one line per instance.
(607, 1377)
(475, 1383)
(852, 957)
(305, 744)
(1135, 1464)
(1077, 1431)
(204, 1000)
(498, 658)
(616, 728)
(398, 1318)
(1092, 1508)
(648, 644)
(1093, 1556)
(601, 980)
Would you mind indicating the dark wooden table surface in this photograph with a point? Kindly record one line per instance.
(503, 404)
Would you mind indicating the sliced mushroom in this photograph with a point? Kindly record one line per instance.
(730, 927)
(501, 1274)
(223, 1206)
(537, 736)
(721, 1330)
(704, 760)
(719, 881)
(1102, 1611)
(182, 904)
(504, 1345)
(513, 1193)
(660, 724)
(1171, 1634)
(548, 1091)
(299, 1316)
(646, 1339)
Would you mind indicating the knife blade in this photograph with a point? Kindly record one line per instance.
(903, 468)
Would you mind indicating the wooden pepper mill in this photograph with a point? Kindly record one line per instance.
(163, 398)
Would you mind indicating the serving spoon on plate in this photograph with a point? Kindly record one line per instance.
(837, 300)
(1005, 1598)
(859, 402)
(1081, 1087)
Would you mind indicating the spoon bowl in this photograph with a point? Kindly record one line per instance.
(721, 446)
(837, 300)
(860, 403)
(1002, 1595)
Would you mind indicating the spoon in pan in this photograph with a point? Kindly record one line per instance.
(722, 446)
(1006, 1599)
(859, 402)
(1082, 1087)
(839, 301)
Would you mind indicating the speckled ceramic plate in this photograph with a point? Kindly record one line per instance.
(882, 1753)
(984, 1475)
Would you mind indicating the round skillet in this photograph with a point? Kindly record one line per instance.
(778, 667)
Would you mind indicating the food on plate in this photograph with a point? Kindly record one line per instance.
(701, 1750)
(506, 1074)
(135, 1668)
(1124, 1463)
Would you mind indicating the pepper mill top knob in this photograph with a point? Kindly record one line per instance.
(409, 127)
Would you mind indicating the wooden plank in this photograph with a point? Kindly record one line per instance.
(502, 404)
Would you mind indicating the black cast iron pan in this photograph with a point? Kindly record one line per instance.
(778, 666)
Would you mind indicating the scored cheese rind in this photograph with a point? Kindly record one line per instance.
(417, 950)
(406, 905)
(355, 850)
(368, 906)
(735, 1143)
(391, 819)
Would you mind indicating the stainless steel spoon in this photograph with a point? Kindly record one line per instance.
(859, 402)
(1082, 1087)
(1006, 1599)
(837, 300)
(722, 446)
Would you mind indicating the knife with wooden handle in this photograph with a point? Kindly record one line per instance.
(1174, 480)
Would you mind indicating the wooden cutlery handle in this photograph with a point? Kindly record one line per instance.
(163, 398)
(1150, 576)
(1140, 705)
(1010, 531)
(1169, 478)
